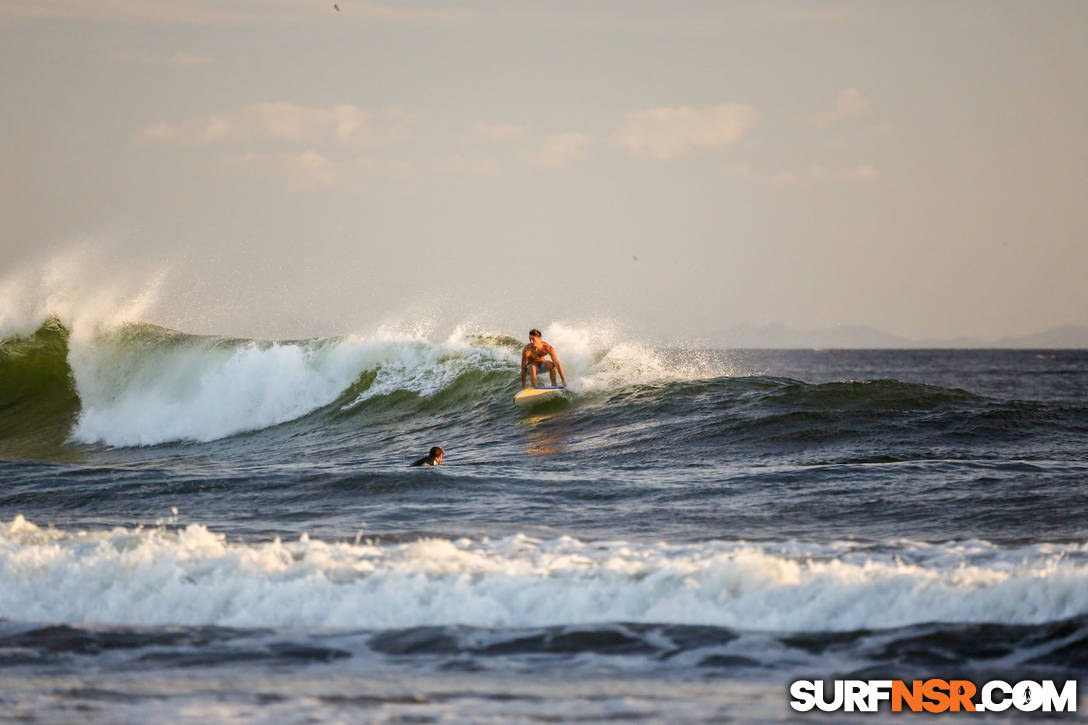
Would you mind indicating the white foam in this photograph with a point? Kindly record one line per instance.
(426, 368)
(193, 576)
(600, 357)
(161, 387)
(202, 389)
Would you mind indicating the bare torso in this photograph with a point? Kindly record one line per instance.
(534, 359)
(535, 355)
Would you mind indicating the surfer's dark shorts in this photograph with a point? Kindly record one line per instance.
(540, 367)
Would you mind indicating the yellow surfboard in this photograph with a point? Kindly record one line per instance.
(532, 396)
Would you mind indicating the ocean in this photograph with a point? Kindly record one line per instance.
(205, 529)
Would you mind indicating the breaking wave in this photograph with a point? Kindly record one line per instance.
(193, 576)
(142, 385)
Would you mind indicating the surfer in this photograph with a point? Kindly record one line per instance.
(433, 457)
(533, 359)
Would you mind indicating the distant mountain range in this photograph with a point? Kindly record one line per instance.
(776, 335)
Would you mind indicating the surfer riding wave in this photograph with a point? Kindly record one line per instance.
(534, 359)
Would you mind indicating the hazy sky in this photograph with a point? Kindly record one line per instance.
(284, 168)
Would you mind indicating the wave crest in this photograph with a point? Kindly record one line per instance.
(140, 384)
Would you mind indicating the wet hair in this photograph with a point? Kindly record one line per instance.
(534, 333)
(436, 452)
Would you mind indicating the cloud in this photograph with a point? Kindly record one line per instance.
(559, 151)
(668, 133)
(343, 124)
(500, 131)
(818, 174)
(476, 166)
(849, 104)
(373, 164)
(307, 170)
(311, 170)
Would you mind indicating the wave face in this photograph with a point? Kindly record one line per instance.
(146, 387)
(143, 385)
(38, 399)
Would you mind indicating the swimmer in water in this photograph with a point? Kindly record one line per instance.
(433, 458)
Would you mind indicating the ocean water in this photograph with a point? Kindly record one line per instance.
(199, 529)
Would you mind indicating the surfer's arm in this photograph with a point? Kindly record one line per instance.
(524, 358)
(558, 365)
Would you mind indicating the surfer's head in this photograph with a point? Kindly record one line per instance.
(534, 333)
(436, 454)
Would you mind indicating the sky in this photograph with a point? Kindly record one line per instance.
(284, 168)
